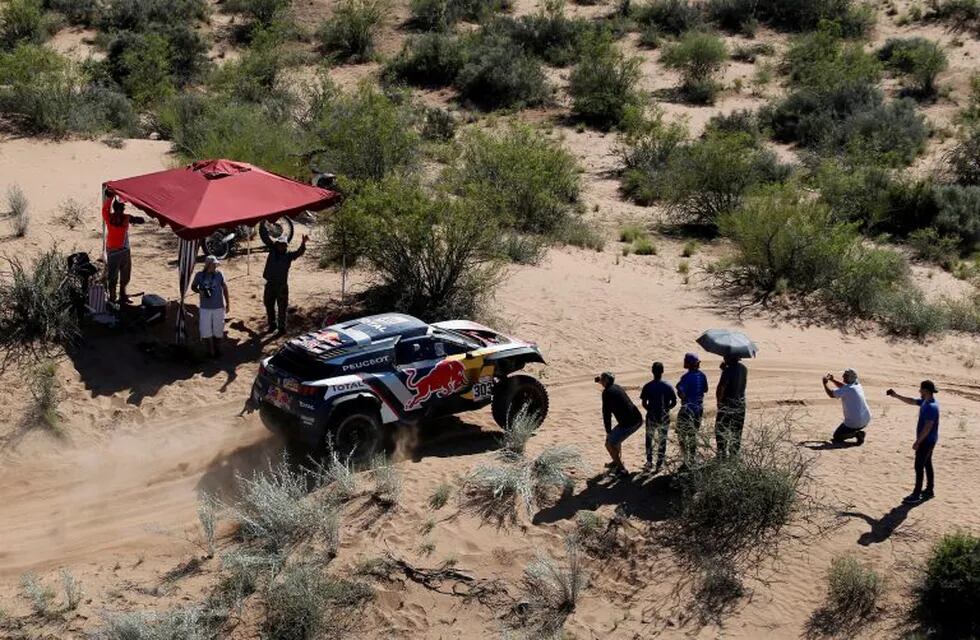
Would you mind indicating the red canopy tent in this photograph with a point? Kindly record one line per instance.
(211, 194)
(208, 195)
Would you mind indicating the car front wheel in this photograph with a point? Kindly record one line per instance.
(519, 397)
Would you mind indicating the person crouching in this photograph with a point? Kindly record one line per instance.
(615, 402)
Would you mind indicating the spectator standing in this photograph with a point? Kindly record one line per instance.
(690, 389)
(210, 284)
(276, 274)
(926, 437)
(730, 395)
(658, 398)
(119, 260)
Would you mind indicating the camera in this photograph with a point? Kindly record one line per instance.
(207, 291)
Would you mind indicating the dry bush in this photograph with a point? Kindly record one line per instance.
(496, 493)
(72, 213)
(336, 476)
(719, 587)
(72, 588)
(18, 207)
(302, 604)
(853, 592)
(207, 516)
(38, 594)
(46, 394)
(387, 482)
(178, 624)
(515, 439)
(551, 590)
(275, 510)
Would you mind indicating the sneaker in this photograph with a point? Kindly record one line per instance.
(610, 465)
(621, 471)
(928, 494)
(860, 437)
(912, 498)
(648, 466)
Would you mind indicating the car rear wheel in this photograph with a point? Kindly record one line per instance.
(355, 433)
(519, 395)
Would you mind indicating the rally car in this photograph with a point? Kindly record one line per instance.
(338, 386)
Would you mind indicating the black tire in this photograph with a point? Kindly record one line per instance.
(215, 244)
(515, 393)
(355, 433)
(281, 229)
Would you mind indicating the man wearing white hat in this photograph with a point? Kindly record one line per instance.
(210, 284)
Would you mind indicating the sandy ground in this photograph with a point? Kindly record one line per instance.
(112, 496)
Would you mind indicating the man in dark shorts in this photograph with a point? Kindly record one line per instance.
(615, 402)
(731, 407)
(926, 437)
(690, 389)
(658, 398)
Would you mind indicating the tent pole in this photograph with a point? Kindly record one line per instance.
(343, 279)
(248, 254)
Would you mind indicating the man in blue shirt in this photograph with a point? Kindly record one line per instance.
(690, 389)
(926, 437)
(658, 399)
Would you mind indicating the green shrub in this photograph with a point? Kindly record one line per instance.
(964, 158)
(707, 178)
(603, 85)
(202, 127)
(438, 124)
(433, 257)
(644, 247)
(949, 595)
(789, 15)
(737, 16)
(644, 155)
(631, 232)
(740, 506)
(893, 134)
(929, 245)
(823, 61)
(785, 242)
(853, 592)
(750, 53)
(669, 16)
(442, 14)
(43, 92)
(427, 60)
(140, 64)
(963, 14)
(37, 308)
(919, 59)
(523, 179)
(142, 15)
(958, 215)
(363, 134)
(302, 602)
(698, 57)
(548, 34)
(22, 21)
(259, 13)
(349, 33)
(81, 12)
(499, 74)
(740, 121)
(523, 248)
(581, 233)
(256, 76)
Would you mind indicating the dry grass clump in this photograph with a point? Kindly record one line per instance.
(387, 483)
(276, 511)
(302, 603)
(496, 493)
(38, 594)
(440, 496)
(551, 590)
(185, 624)
(46, 394)
(337, 476)
(72, 588)
(18, 208)
(515, 439)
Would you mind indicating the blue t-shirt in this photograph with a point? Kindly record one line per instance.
(692, 386)
(928, 411)
(660, 398)
(209, 283)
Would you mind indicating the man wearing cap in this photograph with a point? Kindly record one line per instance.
(690, 389)
(926, 437)
(615, 402)
(118, 259)
(857, 415)
(276, 274)
(210, 284)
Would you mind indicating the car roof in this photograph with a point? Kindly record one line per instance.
(380, 327)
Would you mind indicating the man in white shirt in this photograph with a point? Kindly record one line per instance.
(857, 415)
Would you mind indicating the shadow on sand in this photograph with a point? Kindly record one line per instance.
(881, 528)
(652, 499)
(825, 445)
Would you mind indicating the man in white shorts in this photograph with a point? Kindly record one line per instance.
(210, 284)
(857, 415)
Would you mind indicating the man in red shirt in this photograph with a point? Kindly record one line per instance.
(119, 263)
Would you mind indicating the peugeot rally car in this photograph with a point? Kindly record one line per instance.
(339, 385)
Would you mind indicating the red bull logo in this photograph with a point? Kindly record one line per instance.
(446, 378)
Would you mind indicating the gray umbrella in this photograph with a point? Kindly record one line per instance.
(725, 342)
